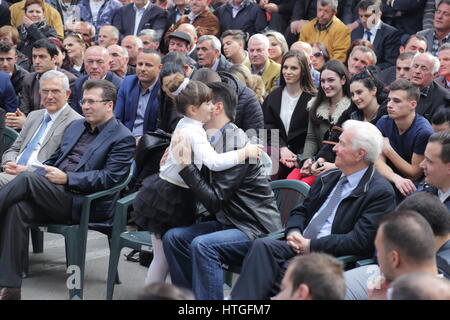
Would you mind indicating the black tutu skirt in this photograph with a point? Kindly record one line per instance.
(161, 205)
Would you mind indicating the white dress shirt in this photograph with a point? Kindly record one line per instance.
(138, 16)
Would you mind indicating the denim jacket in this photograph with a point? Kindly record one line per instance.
(105, 14)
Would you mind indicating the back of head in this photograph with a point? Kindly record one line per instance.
(205, 75)
(222, 92)
(408, 233)
(188, 92)
(164, 291)
(441, 117)
(420, 286)
(322, 273)
(431, 208)
(175, 57)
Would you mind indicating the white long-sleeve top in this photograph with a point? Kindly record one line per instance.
(203, 152)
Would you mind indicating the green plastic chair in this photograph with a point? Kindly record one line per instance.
(76, 236)
(136, 240)
(9, 136)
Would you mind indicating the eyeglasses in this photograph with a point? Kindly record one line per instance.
(318, 54)
(90, 102)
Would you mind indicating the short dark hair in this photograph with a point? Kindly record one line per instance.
(441, 116)
(47, 45)
(409, 233)
(420, 286)
(109, 90)
(322, 273)
(224, 93)
(442, 137)
(237, 35)
(417, 36)
(406, 55)
(431, 208)
(412, 91)
(170, 68)
(365, 4)
(175, 57)
(6, 47)
(205, 75)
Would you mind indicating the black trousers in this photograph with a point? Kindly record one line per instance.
(28, 198)
(263, 270)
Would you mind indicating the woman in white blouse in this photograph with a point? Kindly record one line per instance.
(285, 110)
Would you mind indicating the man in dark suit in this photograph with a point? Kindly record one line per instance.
(405, 15)
(141, 14)
(424, 69)
(339, 217)
(96, 64)
(95, 154)
(385, 39)
(138, 101)
(209, 56)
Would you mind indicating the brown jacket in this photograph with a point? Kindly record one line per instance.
(205, 23)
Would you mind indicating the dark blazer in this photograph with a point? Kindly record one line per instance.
(128, 100)
(295, 140)
(8, 97)
(77, 93)
(443, 259)
(437, 97)
(153, 18)
(105, 163)
(386, 44)
(405, 15)
(5, 16)
(387, 76)
(428, 34)
(357, 216)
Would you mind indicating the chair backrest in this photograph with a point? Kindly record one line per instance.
(288, 194)
(9, 136)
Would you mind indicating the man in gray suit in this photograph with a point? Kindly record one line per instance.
(43, 129)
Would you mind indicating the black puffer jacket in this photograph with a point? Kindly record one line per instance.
(249, 113)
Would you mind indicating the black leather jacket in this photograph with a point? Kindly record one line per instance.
(240, 196)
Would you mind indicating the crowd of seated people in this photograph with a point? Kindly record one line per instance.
(350, 97)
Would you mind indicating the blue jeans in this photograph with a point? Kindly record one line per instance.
(195, 255)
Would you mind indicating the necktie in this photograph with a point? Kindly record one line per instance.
(34, 142)
(369, 35)
(314, 226)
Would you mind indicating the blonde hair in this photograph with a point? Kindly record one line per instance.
(258, 87)
(252, 81)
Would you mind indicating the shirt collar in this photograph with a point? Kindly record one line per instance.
(193, 121)
(56, 114)
(355, 178)
(149, 89)
(216, 136)
(375, 28)
(216, 64)
(424, 91)
(443, 195)
(325, 27)
(143, 8)
(97, 129)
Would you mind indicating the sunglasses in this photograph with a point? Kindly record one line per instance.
(318, 54)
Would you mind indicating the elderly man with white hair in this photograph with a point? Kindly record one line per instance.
(424, 69)
(260, 63)
(340, 215)
(209, 56)
(119, 61)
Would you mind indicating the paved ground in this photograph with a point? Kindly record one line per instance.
(47, 277)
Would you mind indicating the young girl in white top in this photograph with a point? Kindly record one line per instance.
(164, 200)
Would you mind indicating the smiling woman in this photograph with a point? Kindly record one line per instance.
(34, 26)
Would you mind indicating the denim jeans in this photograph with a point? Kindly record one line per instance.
(195, 255)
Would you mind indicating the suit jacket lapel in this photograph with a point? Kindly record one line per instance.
(58, 122)
(379, 36)
(33, 128)
(358, 33)
(98, 141)
(145, 16)
(135, 92)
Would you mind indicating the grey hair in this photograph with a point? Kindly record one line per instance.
(262, 38)
(215, 42)
(435, 60)
(90, 26)
(55, 74)
(365, 50)
(280, 38)
(445, 46)
(114, 31)
(151, 33)
(334, 4)
(368, 138)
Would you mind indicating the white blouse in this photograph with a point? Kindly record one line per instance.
(288, 104)
(203, 152)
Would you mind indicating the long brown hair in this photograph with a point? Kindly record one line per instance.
(306, 81)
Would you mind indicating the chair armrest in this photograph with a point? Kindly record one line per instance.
(365, 262)
(349, 258)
